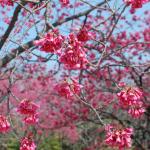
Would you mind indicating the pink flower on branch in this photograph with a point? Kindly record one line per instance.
(135, 3)
(6, 2)
(130, 99)
(4, 124)
(27, 107)
(129, 96)
(51, 42)
(84, 35)
(136, 112)
(27, 144)
(120, 138)
(74, 56)
(64, 2)
(68, 88)
(31, 119)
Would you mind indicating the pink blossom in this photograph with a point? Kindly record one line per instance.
(27, 144)
(130, 98)
(64, 2)
(120, 138)
(51, 42)
(6, 2)
(68, 88)
(83, 35)
(136, 112)
(27, 107)
(74, 56)
(4, 124)
(121, 84)
(31, 119)
(135, 4)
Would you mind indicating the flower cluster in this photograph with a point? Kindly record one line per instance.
(73, 53)
(31, 119)
(130, 99)
(64, 2)
(84, 35)
(29, 109)
(6, 2)
(68, 88)
(51, 42)
(74, 56)
(120, 138)
(27, 144)
(4, 124)
(135, 3)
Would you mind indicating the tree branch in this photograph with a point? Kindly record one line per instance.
(11, 26)
(5, 60)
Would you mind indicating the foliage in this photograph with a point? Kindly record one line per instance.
(50, 143)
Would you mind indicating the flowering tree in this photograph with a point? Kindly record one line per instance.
(78, 69)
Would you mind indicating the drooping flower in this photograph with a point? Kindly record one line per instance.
(83, 35)
(136, 112)
(51, 42)
(135, 4)
(26, 107)
(130, 99)
(68, 88)
(120, 138)
(64, 2)
(4, 124)
(129, 96)
(74, 56)
(31, 119)
(6, 2)
(27, 144)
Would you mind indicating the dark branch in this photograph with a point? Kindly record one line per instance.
(11, 26)
(30, 44)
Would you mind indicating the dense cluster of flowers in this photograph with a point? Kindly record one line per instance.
(130, 99)
(64, 2)
(68, 88)
(84, 35)
(26, 107)
(120, 138)
(74, 56)
(31, 119)
(4, 124)
(51, 42)
(27, 144)
(135, 3)
(6, 2)
(29, 109)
